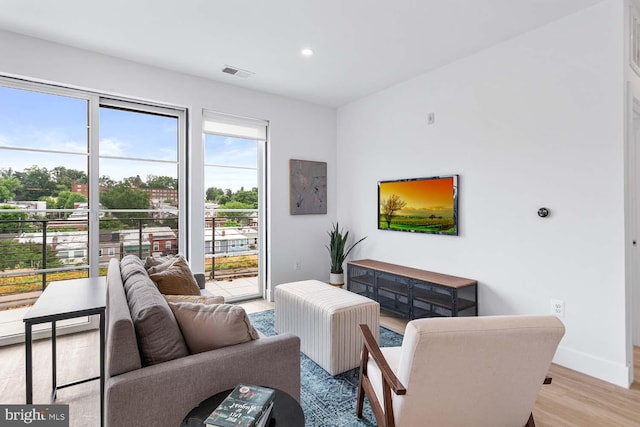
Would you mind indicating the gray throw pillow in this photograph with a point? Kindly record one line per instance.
(131, 265)
(208, 327)
(157, 332)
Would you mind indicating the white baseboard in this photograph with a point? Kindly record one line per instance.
(606, 370)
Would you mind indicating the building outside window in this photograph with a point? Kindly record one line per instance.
(58, 196)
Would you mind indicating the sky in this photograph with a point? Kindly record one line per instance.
(52, 122)
(423, 197)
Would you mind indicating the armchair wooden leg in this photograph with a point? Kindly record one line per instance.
(360, 401)
(530, 422)
(383, 414)
(363, 368)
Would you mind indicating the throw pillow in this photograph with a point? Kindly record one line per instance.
(177, 279)
(162, 266)
(157, 331)
(196, 299)
(152, 261)
(208, 327)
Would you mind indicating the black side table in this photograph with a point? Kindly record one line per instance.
(62, 300)
(286, 411)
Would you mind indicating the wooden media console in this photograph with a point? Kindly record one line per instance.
(411, 292)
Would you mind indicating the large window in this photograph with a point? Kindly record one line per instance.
(139, 183)
(44, 151)
(83, 179)
(234, 205)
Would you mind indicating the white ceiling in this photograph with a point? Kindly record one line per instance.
(361, 46)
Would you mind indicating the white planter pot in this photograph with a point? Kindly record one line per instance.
(336, 279)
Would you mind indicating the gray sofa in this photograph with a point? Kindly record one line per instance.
(162, 394)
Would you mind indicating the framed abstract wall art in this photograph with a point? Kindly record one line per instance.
(308, 187)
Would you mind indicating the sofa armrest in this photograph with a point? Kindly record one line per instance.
(200, 279)
(163, 394)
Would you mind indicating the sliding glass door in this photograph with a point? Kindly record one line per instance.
(44, 149)
(234, 159)
(83, 179)
(140, 181)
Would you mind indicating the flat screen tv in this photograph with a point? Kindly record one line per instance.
(419, 205)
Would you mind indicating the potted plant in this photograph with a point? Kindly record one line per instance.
(338, 251)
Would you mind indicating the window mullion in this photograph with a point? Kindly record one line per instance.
(94, 190)
(183, 198)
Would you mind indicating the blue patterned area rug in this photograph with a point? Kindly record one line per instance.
(325, 398)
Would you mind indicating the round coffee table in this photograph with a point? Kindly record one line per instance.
(286, 411)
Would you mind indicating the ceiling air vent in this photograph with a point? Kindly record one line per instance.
(235, 71)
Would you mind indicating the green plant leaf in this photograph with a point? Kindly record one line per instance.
(338, 249)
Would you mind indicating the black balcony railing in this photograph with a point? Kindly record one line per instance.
(231, 243)
(34, 252)
(29, 255)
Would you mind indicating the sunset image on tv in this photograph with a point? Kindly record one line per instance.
(425, 205)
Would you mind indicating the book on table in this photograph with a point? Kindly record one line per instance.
(246, 406)
(264, 420)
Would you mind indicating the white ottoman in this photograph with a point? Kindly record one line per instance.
(326, 319)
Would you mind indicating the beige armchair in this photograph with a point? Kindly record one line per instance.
(459, 372)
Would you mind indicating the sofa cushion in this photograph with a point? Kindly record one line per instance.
(122, 353)
(208, 327)
(177, 279)
(158, 334)
(134, 280)
(196, 299)
(131, 265)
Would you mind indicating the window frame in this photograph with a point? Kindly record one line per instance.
(258, 130)
(94, 101)
(182, 158)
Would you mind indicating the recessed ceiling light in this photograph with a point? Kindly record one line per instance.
(307, 52)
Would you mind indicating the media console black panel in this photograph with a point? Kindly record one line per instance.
(413, 293)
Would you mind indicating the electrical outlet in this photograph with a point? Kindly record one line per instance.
(557, 307)
(296, 265)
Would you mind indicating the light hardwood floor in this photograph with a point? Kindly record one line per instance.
(572, 400)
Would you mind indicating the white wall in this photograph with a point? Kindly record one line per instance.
(535, 121)
(633, 171)
(297, 130)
